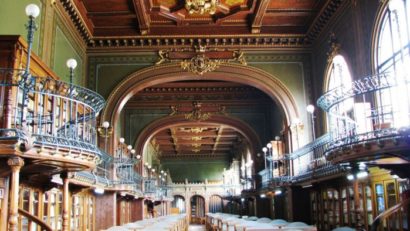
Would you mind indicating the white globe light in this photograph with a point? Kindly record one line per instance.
(106, 124)
(129, 147)
(122, 140)
(32, 10)
(138, 157)
(71, 63)
(269, 145)
(264, 149)
(310, 108)
(133, 151)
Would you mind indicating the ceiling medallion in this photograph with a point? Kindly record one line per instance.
(200, 59)
(201, 6)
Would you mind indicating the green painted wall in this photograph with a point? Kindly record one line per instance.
(64, 50)
(195, 170)
(13, 20)
(106, 72)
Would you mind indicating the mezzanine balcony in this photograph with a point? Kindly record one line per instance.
(49, 123)
(307, 164)
(368, 120)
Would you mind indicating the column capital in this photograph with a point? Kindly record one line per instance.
(15, 162)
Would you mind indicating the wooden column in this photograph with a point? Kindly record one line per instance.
(15, 164)
(66, 202)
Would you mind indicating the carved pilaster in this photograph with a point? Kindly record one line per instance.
(15, 164)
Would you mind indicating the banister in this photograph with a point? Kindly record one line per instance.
(38, 221)
(386, 214)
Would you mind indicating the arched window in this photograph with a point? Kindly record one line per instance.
(392, 60)
(339, 79)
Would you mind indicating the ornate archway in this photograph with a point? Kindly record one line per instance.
(172, 72)
(245, 130)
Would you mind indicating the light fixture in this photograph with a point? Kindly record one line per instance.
(263, 195)
(71, 64)
(242, 199)
(99, 191)
(106, 124)
(278, 192)
(129, 147)
(165, 174)
(122, 140)
(201, 6)
(277, 138)
(350, 177)
(105, 131)
(269, 145)
(264, 149)
(311, 109)
(153, 170)
(362, 166)
(32, 10)
(138, 156)
(362, 174)
(395, 177)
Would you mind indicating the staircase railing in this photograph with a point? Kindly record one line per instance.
(36, 220)
(386, 214)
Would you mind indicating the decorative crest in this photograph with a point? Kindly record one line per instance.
(201, 6)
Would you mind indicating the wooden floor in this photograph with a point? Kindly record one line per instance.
(196, 228)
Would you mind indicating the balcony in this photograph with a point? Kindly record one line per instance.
(307, 164)
(368, 120)
(49, 123)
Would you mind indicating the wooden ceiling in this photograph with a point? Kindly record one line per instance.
(121, 20)
(198, 138)
(170, 17)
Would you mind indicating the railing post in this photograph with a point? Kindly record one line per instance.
(66, 201)
(15, 164)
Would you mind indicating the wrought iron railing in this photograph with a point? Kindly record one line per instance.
(370, 109)
(308, 162)
(52, 113)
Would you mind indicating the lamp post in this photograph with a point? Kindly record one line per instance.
(269, 145)
(32, 11)
(311, 109)
(122, 140)
(105, 126)
(71, 64)
(264, 149)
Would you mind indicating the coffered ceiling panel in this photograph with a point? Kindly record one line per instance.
(125, 18)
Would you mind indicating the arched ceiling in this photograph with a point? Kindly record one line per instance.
(195, 140)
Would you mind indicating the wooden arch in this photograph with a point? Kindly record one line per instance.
(172, 72)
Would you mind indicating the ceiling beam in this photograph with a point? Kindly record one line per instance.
(258, 18)
(142, 16)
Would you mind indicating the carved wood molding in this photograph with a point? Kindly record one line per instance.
(201, 59)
